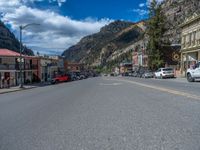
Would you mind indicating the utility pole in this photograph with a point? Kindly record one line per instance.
(21, 66)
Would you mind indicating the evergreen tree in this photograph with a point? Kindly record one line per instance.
(155, 31)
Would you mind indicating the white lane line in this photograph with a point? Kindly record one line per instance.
(171, 91)
(110, 84)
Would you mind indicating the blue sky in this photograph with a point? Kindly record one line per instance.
(64, 22)
(81, 9)
(119, 9)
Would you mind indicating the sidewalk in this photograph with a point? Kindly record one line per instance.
(17, 88)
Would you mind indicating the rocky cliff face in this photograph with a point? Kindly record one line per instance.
(95, 49)
(99, 48)
(8, 41)
(176, 11)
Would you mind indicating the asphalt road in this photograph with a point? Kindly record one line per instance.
(103, 114)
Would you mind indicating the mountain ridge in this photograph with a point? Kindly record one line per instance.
(9, 41)
(96, 48)
(176, 11)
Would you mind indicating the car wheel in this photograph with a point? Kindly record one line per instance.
(190, 78)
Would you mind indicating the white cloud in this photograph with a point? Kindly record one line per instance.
(140, 12)
(141, 4)
(149, 1)
(55, 32)
(60, 2)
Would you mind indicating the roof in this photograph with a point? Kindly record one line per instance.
(6, 52)
(190, 20)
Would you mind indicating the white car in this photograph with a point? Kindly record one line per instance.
(193, 73)
(164, 73)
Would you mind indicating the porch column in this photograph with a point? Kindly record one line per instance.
(182, 64)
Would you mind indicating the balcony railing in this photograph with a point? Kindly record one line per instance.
(7, 67)
(31, 67)
(17, 67)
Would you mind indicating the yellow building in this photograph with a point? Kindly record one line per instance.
(190, 42)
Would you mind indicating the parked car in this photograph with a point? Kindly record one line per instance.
(60, 78)
(105, 75)
(134, 74)
(77, 75)
(140, 73)
(148, 74)
(125, 74)
(193, 73)
(164, 73)
(112, 74)
(82, 76)
(73, 76)
(130, 74)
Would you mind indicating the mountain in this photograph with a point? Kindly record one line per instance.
(99, 48)
(95, 49)
(9, 41)
(176, 11)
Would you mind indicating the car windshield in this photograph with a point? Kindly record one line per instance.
(168, 69)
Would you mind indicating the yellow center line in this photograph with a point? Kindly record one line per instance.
(159, 88)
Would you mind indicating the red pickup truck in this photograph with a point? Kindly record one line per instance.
(60, 78)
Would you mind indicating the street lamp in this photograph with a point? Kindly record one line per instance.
(21, 28)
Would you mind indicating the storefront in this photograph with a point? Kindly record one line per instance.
(189, 59)
(190, 44)
(7, 78)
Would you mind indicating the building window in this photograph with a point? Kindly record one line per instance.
(29, 73)
(198, 37)
(0, 60)
(190, 39)
(183, 41)
(187, 40)
(194, 38)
